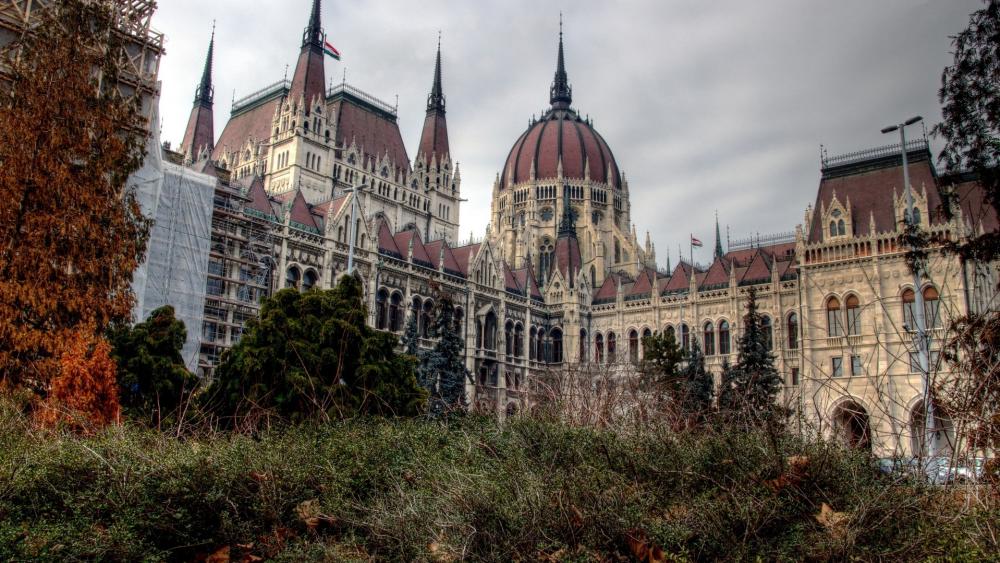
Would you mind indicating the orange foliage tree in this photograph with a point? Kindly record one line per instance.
(84, 394)
(71, 234)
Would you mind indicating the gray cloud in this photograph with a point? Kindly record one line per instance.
(707, 105)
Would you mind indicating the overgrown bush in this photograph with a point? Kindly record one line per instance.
(472, 489)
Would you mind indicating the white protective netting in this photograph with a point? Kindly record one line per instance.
(179, 201)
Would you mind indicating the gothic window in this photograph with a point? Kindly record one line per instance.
(633, 346)
(309, 280)
(518, 341)
(909, 309)
(853, 306)
(670, 330)
(425, 319)
(583, 346)
(725, 342)
(618, 252)
(490, 337)
(540, 350)
(595, 217)
(932, 308)
(396, 312)
(557, 351)
(916, 216)
(685, 337)
(612, 347)
(833, 325)
(768, 329)
(599, 348)
(508, 338)
(292, 277)
(593, 276)
(709, 338)
(381, 312)
(532, 344)
(841, 230)
(792, 328)
(459, 317)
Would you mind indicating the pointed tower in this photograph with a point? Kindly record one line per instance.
(434, 138)
(199, 137)
(568, 258)
(561, 94)
(309, 79)
(718, 239)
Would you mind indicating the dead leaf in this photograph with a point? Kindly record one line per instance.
(220, 555)
(834, 522)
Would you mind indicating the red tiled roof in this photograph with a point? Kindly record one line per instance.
(200, 132)
(300, 212)
(386, 242)
(644, 283)
(434, 137)
(609, 289)
(568, 258)
(255, 123)
(975, 209)
(871, 193)
(526, 278)
(450, 262)
(509, 280)
(258, 197)
(376, 134)
(330, 207)
(464, 256)
(718, 275)
(758, 270)
(680, 279)
(743, 257)
(561, 134)
(309, 79)
(420, 254)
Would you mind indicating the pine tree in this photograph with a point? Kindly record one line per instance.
(71, 234)
(411, 339)
(699, 385)
(751, 386)
(661, 359)
(152, 379)
(444, 365)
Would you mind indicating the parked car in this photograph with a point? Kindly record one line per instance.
(943, 470)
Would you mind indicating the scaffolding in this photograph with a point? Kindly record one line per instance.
(240, 271)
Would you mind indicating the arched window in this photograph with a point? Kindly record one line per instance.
(479, 334)
(459, 320)
(583, 346)
(612, 347)
(557, 351)
(724, 338)
(381, 312)
(518, 341)
(396, 312)
(833, 325)
(840, 228)
(425, 319)
(853, 306)
(646, 333)
(685, 337)
(309, 280)
(833, 228)
(633, 346)
(669, 330)
(532, 345)
(292, 277)
(909, 298)
(543, 355)
(932, 307)
(490, 331)
(916, 216)
(508, 338)
(618, 251)
(599, 348)
(792, 327)
(768, 330)
(593, 276)
(709, 338)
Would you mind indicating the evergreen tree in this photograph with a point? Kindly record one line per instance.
(311, 356)
(699, 385)
(661, 359)
(152, 378)
(411, 339)
(751, 386)
(444, 365)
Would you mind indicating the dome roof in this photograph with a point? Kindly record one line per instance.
(560, 134)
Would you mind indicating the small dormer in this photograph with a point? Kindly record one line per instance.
(920, 214)
(837, 220)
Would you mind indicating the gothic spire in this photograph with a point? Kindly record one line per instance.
(567, 227)
(561, 94)
(313, 35)
(718, 238)
(205, 93)
(435, 102)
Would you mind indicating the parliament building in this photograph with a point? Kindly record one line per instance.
(312, 177)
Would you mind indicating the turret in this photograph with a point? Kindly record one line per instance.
(434, 137)
(309, 82)
(199, 137)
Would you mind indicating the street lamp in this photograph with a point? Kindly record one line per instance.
(918, 296)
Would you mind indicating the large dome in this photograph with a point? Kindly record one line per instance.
(560, 134)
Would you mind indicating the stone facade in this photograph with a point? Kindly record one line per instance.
(560, 279)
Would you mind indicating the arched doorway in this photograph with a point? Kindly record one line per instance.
(943, 431)
(851, 426)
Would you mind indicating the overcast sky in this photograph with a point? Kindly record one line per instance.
(707, 106)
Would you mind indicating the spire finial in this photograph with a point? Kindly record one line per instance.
(313, 34)
(435, 101)
(718, 237)
(561, 95)
(205, 93)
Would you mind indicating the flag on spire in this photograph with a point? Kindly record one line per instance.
(330, 50)
(695, 242)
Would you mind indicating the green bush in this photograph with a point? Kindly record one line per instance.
(470, 488)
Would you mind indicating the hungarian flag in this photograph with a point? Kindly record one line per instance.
(330, 50)
(695, 242)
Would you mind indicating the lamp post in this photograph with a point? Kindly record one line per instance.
(918, 296)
